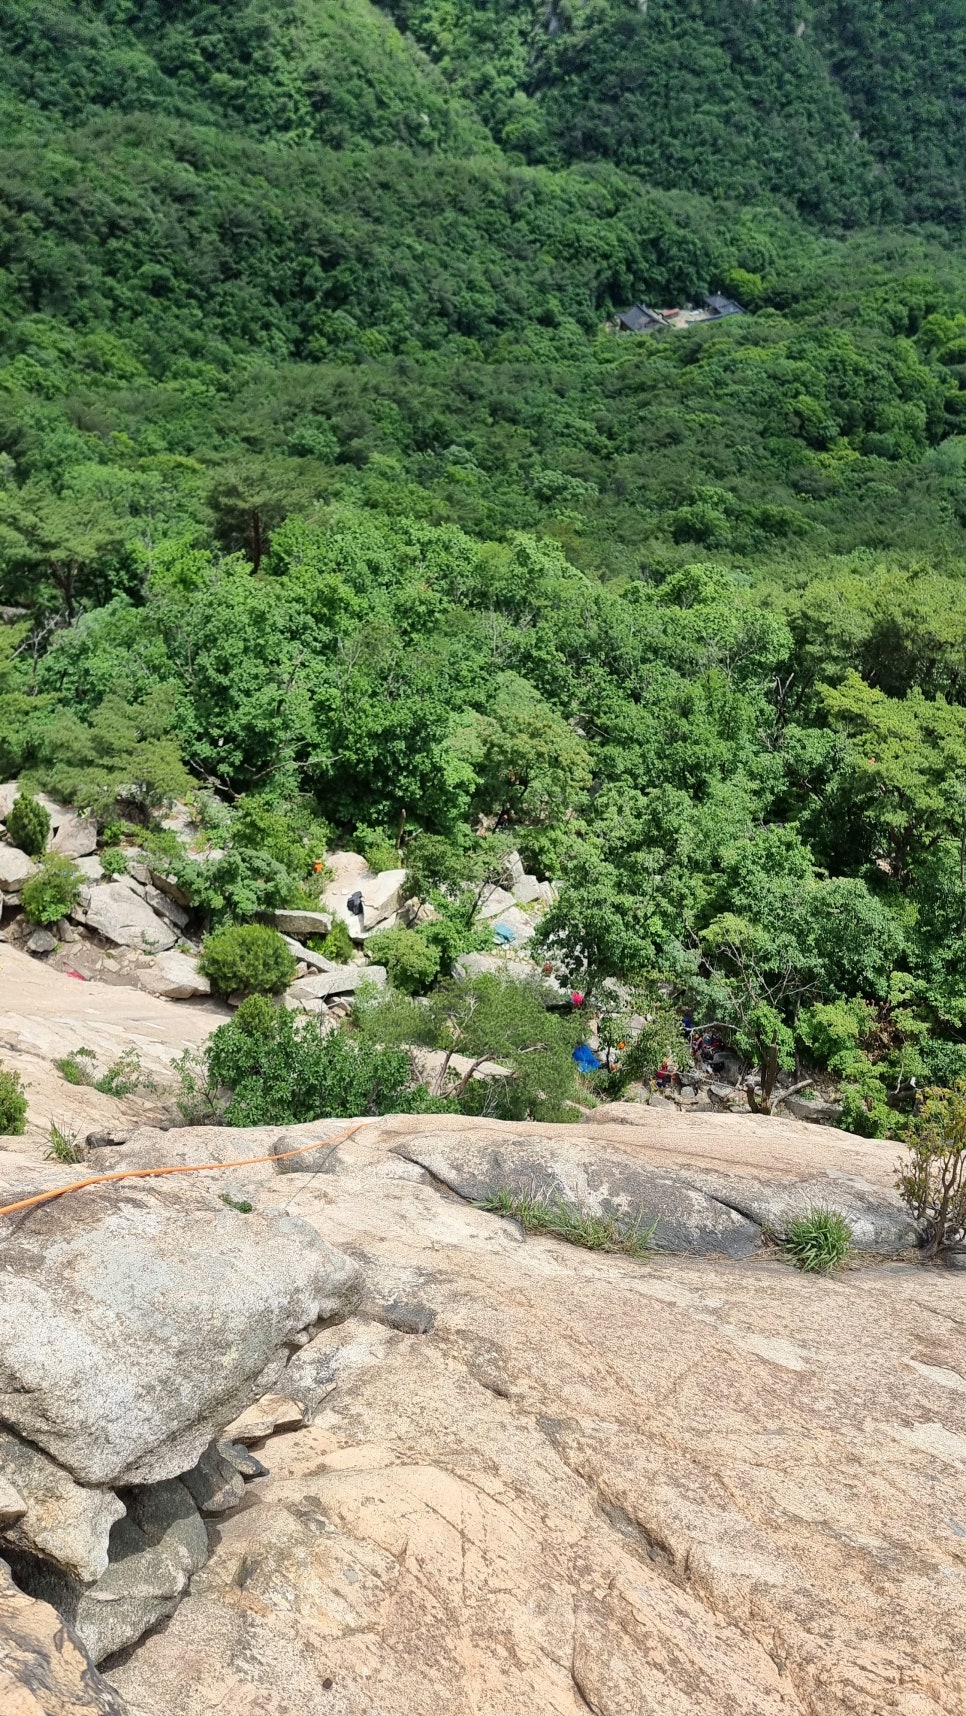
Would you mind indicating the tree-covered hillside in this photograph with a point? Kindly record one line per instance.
(327, 488)
(851, 111)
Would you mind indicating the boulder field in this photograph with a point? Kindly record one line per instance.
(315, 1433)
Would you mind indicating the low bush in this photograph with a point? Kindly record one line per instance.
(819, 1241)
(53, 891)
(250, 958)
(281, 1069)
(13, 1104)
(411, 960)
(124, 1076)
(932, 1180)
(113, 861)
(28, 825)
(483, 1019)
(337, 945)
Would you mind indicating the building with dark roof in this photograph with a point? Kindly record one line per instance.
(639, 320)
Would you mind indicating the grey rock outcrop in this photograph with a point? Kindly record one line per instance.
(167, 908)
(76, 837)
(175, 1309)
(121, 916)
(44, 1667)
(175, 975)
(341, 980)
(301, 923)
(64, 1521)
(155, 1547)
(605, 1181)
(15, 869)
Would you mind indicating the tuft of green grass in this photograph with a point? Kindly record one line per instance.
(577, 1226)
(819, 1241)
(78, 1066)
(240, 1204)
(63, 1143)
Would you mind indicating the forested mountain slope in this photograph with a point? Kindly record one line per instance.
(851, 111)
(326, 485)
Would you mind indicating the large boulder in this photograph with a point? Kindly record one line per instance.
(494, 903)
(136, 1321)
(76, 837)
(341, 980)
(301, 923)
(121, 916)
(175, 975)
(44, 1667)
(382, 897)
(64, 1521)
(15, 869)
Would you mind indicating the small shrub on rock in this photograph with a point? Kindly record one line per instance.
(932, 1180)
(53, 891)
(13, 1104)
(113, 861)
(28, 825)
(337, 945)
(250, 958)
(410, 959)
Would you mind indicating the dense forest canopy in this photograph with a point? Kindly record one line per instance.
(327, 486)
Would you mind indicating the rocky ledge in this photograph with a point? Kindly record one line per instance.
(321, 1434)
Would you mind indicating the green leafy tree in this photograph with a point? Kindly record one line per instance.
(486, 1019)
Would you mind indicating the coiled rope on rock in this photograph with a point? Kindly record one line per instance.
(183, 1168)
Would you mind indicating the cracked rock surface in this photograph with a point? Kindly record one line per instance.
(535, 1479)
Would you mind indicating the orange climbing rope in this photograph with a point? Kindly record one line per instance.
(190, 1168)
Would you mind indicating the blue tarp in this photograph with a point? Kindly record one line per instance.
(586, 1059)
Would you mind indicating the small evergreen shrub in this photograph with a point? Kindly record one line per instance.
(410, 959)
(13, 1105)
(124, 1076)
(28, 825)
(53, 891)
(819, 1241)
(248, 957)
